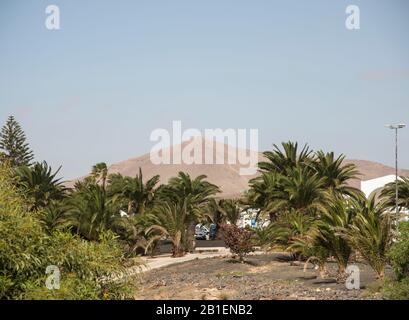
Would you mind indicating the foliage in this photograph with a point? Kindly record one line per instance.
(336, 174)
(169, 220)
(399, 253)
(300, 180)
(13, 144)
(55, 216)
(306, 246)
(263, 191)
(339, 215)
(195, 191)
(291, 227)
(132, 234)
(222, 211)
(399, 258)
(134, 194)
(230, 210)
(371, 233)
(301, 189)
(214, 214)
(26, 250)
(280, 161)
(396, 290)
(264, 238)
(192, 194)
(99, 173)
(92, 212)
(239, 240)
(40, 184)
(314, 214)
(389, 193)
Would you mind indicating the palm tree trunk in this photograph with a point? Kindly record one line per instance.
(131, 208)
(342, 274)
(190, 237)
(381, 273)
(219, 233)
(141, 209)
(177, 250)
(272, 216)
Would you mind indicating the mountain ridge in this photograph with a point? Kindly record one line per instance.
(226, 176)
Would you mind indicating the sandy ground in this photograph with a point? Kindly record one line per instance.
(166, 260)
(265, 276)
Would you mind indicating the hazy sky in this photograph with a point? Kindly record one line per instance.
(116, 70)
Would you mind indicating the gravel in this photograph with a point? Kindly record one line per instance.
(266, 276)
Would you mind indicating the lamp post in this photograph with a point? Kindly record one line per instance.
(396, 127)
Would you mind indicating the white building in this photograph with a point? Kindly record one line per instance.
(247, 218)
(369, 186)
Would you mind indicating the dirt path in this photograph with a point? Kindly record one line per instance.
(263, 277)
(167, 260)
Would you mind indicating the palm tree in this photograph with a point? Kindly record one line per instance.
(132, 231)
(100, 173)
(170, 220)
(336, 174)
(389, 193)
(301, 180)
(54, 216)
(301, 190)
(231, 210)
(214, 214)
(339, 215)
(195, 194)
(291, 231)
(40, 184)
(221, 211)
(371, 233)
(263, 191)
(134, 191)
(281, 161)
(277, 234)
(92, 212)
(306, 246)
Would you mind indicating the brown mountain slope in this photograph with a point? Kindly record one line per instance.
(371, 170)
(226, 176)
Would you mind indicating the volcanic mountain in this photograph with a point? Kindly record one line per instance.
(226, 176)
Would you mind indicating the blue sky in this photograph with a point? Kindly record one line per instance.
(116, 70)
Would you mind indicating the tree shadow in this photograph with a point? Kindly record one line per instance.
(245, 261)
(281, 257)
(307, 277)
(325, 281)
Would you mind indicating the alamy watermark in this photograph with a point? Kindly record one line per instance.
(191, 146)
(352, 21)
(52, 21)
(53, 280)
(353, 281)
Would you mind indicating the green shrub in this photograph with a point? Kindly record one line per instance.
(399, 253)
(26, 249)
(398, 289)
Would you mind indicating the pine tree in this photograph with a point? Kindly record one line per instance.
(13, 145)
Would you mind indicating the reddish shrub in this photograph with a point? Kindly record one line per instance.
(238, 240)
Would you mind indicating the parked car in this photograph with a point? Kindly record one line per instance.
(201, 235)
(212, 231)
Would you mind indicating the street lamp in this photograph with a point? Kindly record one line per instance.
(396, 127)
